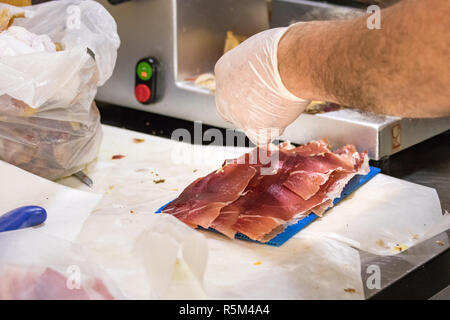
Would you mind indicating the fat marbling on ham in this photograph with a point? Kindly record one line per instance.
(244, 196)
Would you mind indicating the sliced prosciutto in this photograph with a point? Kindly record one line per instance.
(200, 203)
(260, 199)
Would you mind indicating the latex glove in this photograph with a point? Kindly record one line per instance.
(250, 92)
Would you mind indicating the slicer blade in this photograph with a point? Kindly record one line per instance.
(80, 175)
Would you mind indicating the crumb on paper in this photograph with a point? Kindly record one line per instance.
(110, 189)
(118, 156)
(381, 243)
(439, 242)
(257, 263)
(174, 189)
(195, 170)
(350, 290)
(159, 181)
(414, 235)
(131, 211)
(138, 140)
(59, 46)
(400, 247)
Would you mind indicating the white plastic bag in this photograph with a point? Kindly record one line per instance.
(49, 124)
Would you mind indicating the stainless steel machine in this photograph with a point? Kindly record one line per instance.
(184, 38)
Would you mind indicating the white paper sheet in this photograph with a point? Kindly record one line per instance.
(67, 208)
(140, 251)
(307, 267)
(384, 217)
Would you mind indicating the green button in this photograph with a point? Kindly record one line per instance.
(144, 70)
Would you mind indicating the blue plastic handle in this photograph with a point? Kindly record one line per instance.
(22, 217)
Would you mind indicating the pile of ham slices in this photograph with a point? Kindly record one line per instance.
(242, 197)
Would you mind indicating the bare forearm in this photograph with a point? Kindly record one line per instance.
(402, 69)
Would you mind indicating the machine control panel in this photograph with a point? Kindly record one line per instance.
(146, 75)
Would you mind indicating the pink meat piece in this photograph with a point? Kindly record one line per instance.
(200, 203)
(280, 207)
(227, 218)
(304, 183)
(20, 283)
(311, 172)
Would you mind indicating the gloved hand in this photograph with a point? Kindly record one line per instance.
(250, 92)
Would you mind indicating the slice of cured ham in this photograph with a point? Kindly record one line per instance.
(242, 197)
(200, 203)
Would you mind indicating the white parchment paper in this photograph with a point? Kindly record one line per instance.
(384, 217)
(67, 208)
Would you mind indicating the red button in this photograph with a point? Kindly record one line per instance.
(142, 93)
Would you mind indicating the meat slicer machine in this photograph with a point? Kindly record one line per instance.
(172, 41)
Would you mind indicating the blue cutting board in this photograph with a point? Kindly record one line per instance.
(290, 231)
